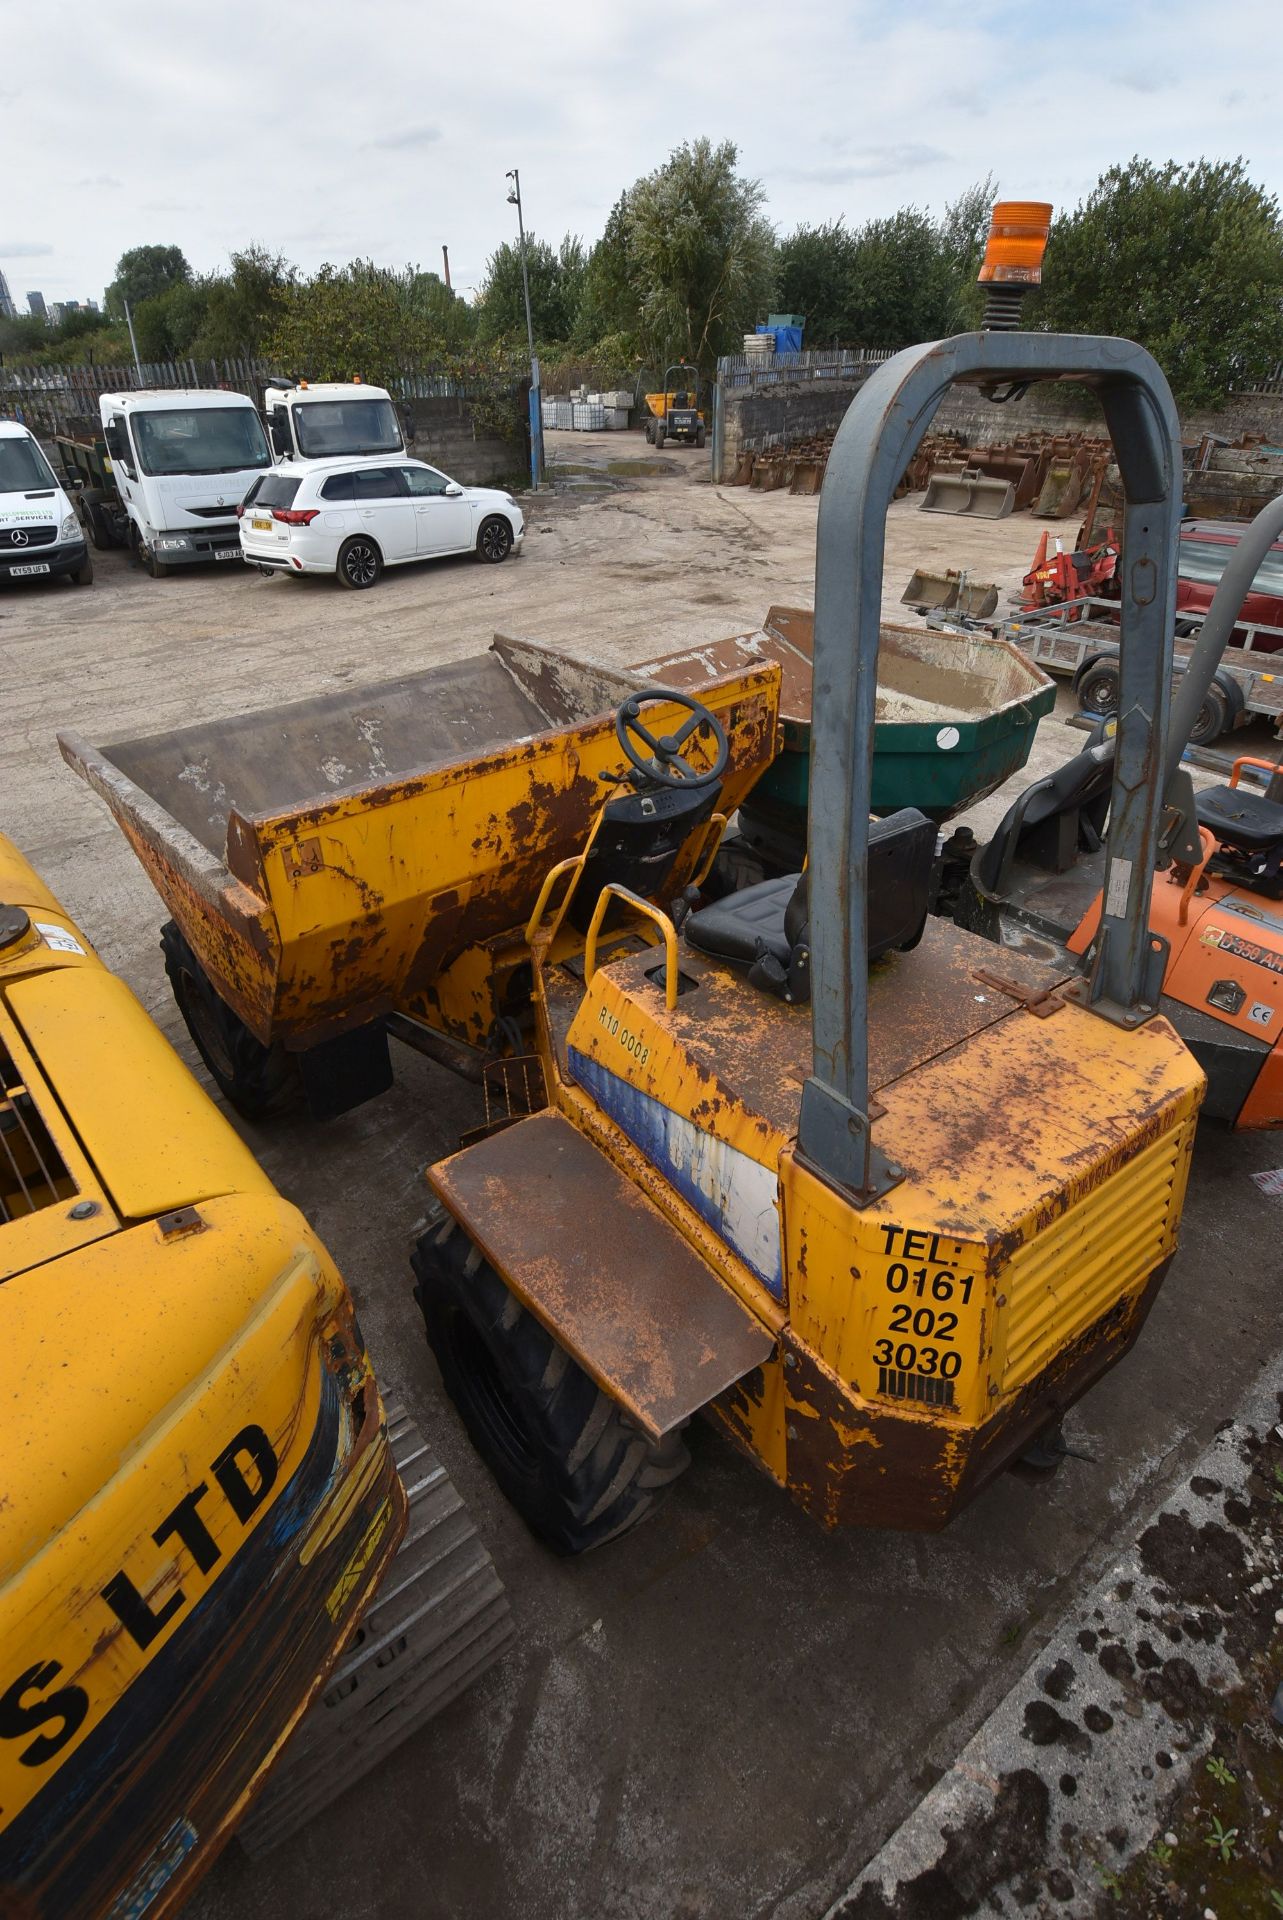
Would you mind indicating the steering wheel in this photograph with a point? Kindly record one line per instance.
(667, 764)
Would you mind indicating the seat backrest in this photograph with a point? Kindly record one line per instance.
(901, 855)
(1053, 820)
(638, 844)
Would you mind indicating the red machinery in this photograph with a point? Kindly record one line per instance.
(1059, 576)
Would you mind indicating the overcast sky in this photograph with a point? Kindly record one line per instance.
(330, 131)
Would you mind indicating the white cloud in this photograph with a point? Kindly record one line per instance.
(839, 107)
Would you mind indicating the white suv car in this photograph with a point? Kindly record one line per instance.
(353, 517)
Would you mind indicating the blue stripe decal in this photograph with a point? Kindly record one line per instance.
(735, 1194)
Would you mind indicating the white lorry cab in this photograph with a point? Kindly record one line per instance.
(182, 460)
(39, 530)
(331, 419)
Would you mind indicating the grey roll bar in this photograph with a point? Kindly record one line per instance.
(881, 431)
(1213, 637)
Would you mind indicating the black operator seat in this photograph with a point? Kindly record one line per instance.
(1240, 818)
(641, 837)
(767, 929)
(1053, 821)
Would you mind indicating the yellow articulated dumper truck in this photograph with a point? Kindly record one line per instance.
(201, 1498)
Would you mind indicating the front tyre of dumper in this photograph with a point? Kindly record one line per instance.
(560, 1449)
(256, 1080)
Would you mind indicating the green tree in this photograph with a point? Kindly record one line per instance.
(239, 307)
(166, 325)
(963, 233)
(902, 288)
(609, 304)
(357, 320)
(556, 287)
(142, 273)
(1187, 259)
(816, 278)
(703, 256)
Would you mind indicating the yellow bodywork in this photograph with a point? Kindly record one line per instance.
(410, 894)
(193, 1453)
(919, 1340)
(659, 404)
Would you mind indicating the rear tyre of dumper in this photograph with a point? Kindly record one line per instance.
(257, 1080)
(561, 1450)
(700, 436)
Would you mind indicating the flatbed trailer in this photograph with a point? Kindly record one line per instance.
(87, 465)
(1079, 641)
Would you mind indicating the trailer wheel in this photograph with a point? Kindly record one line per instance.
(560, 1449)
(1099, 688)
(255, 1079)
(1213, 717)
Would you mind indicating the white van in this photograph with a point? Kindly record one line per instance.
(39, 531)
(331, 419)
(182, 461)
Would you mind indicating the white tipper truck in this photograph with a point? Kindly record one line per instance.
(318, 419)
(180, 462)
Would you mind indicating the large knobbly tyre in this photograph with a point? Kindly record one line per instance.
(561, 1450)
(439, 1619)
(255, 1079)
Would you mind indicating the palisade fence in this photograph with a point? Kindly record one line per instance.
(50, 398)
(755, 371)
(768, 370)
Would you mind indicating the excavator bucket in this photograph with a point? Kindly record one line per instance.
(971, 493)
(951, 591)
(1064, 485)
(927, 589)
(1022, 469)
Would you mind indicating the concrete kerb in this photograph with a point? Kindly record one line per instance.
(1064, 1780)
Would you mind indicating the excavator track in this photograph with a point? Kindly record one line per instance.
(440, 1618)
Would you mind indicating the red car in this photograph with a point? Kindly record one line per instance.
(1205, 548)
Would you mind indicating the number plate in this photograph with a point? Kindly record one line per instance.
(261, 526)
(229, 553)
(41, 566)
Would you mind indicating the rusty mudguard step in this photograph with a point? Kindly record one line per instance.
(600, 1266)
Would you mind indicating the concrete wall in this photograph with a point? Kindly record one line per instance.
(1063, 409)
(447, 433)
(781, 415)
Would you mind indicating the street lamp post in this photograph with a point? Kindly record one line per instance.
(536, 408)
